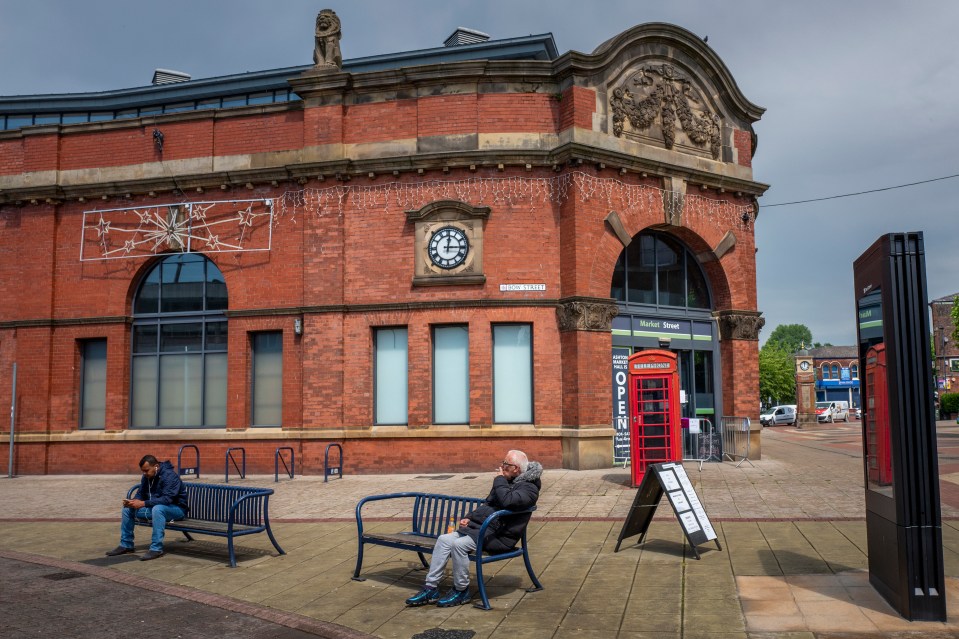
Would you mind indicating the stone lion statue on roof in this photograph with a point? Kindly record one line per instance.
(326, 51)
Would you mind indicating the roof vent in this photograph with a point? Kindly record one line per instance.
(166, 76)
(462, 35)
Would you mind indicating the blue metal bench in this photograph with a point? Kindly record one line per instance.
(223, 511)
(432, 515)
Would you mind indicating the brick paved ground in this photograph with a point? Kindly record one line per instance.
(792, 563)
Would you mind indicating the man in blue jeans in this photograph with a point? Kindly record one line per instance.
(160, 498)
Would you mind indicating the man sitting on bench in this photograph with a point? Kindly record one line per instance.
(515, 487)
(160, 498)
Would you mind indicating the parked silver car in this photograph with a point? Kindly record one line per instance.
(784, 415)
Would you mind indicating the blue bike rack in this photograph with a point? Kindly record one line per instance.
(189, 470)
(278, 457)
(226, 464)
(335, 471)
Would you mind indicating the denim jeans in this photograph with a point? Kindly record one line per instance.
(160, 515)
(458, 547)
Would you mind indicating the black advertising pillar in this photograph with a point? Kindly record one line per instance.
(903, 519)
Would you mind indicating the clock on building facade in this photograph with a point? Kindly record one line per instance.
(448, 243)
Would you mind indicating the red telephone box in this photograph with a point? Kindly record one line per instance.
(654, 435)
(878, 453)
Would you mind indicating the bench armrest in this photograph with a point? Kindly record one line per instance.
(489, 520)
(262, 497)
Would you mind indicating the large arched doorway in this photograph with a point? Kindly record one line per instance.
(179, 366)
(665, 301)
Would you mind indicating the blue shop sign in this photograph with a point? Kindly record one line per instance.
(836, 383)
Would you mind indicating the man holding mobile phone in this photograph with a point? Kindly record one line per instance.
(160, 498)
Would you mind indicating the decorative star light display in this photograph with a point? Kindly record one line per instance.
(143, 231)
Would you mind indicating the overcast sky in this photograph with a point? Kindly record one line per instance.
(859, 95)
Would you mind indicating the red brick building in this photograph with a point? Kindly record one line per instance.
(427, 257)
(945, 351)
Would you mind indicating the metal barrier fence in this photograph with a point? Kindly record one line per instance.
(735, 435)
(702, 442)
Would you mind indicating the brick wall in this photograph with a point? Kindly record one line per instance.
(359, 456)
(347, 269)
(743, 142)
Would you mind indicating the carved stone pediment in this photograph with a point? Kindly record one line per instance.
(586, 314)
(743, 325)
(658, 96)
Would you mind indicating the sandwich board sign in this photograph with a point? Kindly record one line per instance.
(671, 479)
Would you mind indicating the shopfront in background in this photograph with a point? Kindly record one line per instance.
(841, 386)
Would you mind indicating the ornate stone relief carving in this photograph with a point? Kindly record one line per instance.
(585, 314)
(739, 324)
(659, 91)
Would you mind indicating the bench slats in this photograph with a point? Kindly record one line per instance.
(211, 527)
(427, 543)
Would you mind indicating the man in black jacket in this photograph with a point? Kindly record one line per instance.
(160, 498)
(515, 487)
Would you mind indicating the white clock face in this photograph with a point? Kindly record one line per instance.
(448, 247)
(804, 365)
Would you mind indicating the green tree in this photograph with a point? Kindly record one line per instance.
(790, 337)
(955, 319)
(777, 374)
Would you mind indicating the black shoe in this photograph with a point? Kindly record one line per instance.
(454, 598)
(119, 550)
(423, 597)
(152, 554)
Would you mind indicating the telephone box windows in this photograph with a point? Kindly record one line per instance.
(179, 367)
(657, 270)
(654, 411)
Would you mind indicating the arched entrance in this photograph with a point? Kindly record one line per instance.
(665, 301)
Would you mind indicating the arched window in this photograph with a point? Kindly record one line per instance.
(658, 270)
(825, 371)
(835, 371)
(178, 374)
(854, 371)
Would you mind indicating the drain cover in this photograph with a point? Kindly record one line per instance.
(60, 576)
(434, 477)
(439, 633)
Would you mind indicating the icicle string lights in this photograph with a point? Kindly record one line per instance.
(511, 192)
(233, 225)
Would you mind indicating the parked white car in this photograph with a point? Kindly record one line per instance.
(832, 411)
(784, 415)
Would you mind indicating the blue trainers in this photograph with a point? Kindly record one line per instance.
(426, 596)
(454, 598)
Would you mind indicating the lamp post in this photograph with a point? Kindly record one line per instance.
(940, 357)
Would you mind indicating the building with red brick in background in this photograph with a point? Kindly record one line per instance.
(427, 257)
